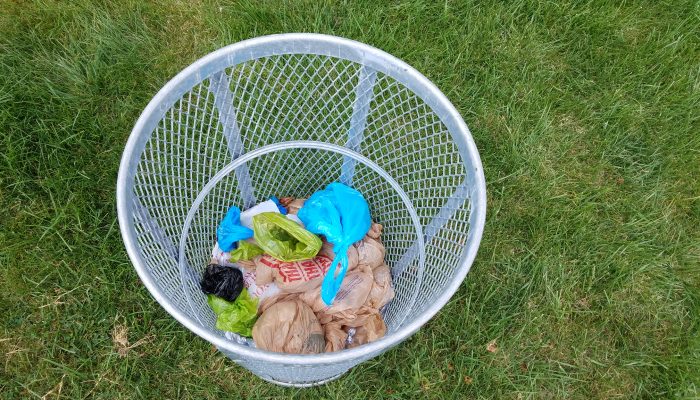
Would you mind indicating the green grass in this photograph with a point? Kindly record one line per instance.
(586, 115)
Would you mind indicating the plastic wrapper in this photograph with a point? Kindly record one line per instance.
(375, 231)
(372, 328)
(289, 327)
(382, 291)
(370, 252)
(271, 205)
(238, 316)
(231, 231)
(352, 295)
(293, 205)
(261, 292)
(283, 238)
(292, 277)
(352, 254)
(221, 281)
(245, 251)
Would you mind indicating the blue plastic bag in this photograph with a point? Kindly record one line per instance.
(231, 231)
(341, 214)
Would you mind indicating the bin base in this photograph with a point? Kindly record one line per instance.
(302, 385)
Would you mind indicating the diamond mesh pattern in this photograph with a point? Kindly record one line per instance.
(288, 97)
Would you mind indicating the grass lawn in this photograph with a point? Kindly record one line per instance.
(587, 117)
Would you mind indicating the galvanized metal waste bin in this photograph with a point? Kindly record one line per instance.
(285, 115)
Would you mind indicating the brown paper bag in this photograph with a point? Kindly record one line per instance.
(289, 327)
(382, 291)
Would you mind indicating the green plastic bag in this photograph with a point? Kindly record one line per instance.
(283, 238)
(238, 316)
(245, 251)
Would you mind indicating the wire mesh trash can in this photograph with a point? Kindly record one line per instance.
(285, 115)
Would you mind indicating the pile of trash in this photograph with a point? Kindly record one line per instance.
(301, 275)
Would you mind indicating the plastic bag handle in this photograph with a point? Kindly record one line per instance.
(331, 283)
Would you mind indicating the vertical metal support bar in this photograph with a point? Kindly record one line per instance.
(220, 86)
(142, 214)
(154, 229)
(447, 211)
(364, 92)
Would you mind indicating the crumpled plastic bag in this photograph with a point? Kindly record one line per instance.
(283, 238)
(368, 321)
(355, 309)
(371, 329)
(336, 337)
(231, 231)
(353, 293)
(382, 291)
(298, 276)
(245, 251)
(238, 316)
(260, 292)
(271, 205)
(370, 249)
(353, 256)
(341, 214)
(292, 205)
(279, 297)
(291, 277)
(370, 252)
(224, 282)
(289, 327)
(375, 231)
(221, 257)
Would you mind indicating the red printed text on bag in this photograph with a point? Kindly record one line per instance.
(300, 270)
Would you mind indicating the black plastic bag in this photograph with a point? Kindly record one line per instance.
(224, 282)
